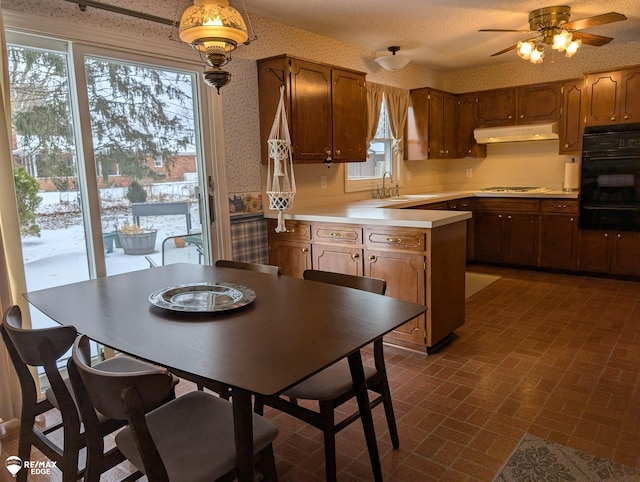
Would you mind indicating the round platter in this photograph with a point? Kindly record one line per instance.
(202, 297)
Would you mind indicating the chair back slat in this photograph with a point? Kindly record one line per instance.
(364, 283)
(260, 268)
(106, 388)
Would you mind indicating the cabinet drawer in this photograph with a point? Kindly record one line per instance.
(337, 233)
(559, 206)
(395, 239)
(296, 230)
(517, 205)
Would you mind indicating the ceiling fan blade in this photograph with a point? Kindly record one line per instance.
(595, 21)
(590, 39)
(503, 30)
(504, 51)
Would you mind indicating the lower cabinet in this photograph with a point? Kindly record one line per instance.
(611, 252)
(291, 249)
(425, 266)
(559, 234)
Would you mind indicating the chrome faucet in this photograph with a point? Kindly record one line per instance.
(385, 192)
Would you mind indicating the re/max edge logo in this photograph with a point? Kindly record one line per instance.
(14, 464)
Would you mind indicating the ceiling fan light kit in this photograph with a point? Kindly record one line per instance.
(552, 26)
(393, 62)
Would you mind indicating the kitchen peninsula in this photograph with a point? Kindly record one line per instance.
(418, 243)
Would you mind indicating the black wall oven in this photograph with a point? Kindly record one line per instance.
(610, 178)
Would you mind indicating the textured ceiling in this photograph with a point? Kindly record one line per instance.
(438, 34)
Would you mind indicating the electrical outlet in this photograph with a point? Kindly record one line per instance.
(469, 172)
(323, 182)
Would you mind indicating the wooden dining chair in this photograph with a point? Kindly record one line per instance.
(44, 348)
(190, 438)
(261, 268)
(333, 386)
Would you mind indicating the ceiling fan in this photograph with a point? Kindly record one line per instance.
(552, 27)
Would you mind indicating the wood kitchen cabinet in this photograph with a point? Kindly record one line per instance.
(612, 252)
(525, 104)
(291, 249)
(612, 97)
(467, 145)
(506, 231)
(337, 248)
(571, 126)
(559, 234)
(325, 105)
(432, 125)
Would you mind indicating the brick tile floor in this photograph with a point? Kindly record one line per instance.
(553, 355)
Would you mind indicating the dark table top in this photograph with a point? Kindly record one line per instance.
(293, 329)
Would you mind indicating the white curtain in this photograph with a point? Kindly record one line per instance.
(374, 102)
(12, 279)
(397, 102)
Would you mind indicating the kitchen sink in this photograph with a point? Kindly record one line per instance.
(410, 197)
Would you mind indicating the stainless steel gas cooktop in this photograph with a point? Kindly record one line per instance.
(514, 189)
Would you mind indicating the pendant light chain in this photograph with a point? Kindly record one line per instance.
(175, 23)
(253, 31)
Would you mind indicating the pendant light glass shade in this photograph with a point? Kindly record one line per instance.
(393, 62)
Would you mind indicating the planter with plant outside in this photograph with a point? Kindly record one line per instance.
(135, 240)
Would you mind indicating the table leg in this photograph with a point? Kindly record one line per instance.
(243, 425)
(360, 388)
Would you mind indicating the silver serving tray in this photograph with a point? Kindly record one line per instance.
(203, 297)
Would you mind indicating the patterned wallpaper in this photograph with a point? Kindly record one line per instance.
(240, 99)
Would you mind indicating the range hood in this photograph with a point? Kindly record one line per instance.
(529, 132)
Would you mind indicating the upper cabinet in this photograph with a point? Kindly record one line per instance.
(435, 128)
(612, 97)
(526, 104)
(571, 127)
(326, 109)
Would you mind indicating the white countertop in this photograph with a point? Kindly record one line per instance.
(390, 212)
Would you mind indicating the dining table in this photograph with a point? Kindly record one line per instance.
(277, 332)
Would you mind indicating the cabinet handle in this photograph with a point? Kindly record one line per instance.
(355, 256)
(469, 151)
(626, 117)
(289, 230)
(521, 116)
(509, 116)
(304, 250)
(338, 152)
(393, 240)
(335, 235)
(372, 257)
(566, 146)
(499, 215)
(620, 236)
(613, 118)
(571, 219)
(508, 217)
(606, 235)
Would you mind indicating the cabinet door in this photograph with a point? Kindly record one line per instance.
(311, 120)
(405, 277)
(349, 108)
(602, 96)
(626, 254)
(495, 107)
(293, 257)
(520, 240)
(450, 126)
(558, 241)
(436, 124)
(593, 252)
(338, 259)
(417, 132)
(571, 117)
(539, 103)
(467, 146)
(630, 96)
(488, 237)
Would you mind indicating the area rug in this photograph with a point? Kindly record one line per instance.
(474, 282)
(538, 460)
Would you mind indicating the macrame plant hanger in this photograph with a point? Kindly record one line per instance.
(281, 183)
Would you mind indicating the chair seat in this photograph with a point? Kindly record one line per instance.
(195, 437)
(328, 384)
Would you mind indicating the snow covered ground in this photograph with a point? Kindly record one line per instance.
(59, 255)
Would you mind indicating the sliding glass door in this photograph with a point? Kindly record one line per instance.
(108, 162)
